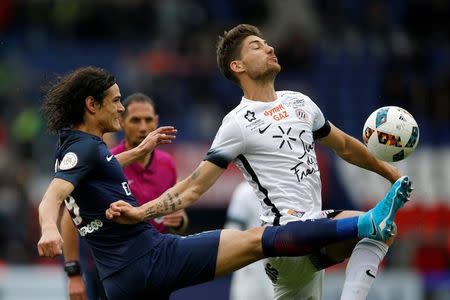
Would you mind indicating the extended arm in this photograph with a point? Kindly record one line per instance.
(181, 195)
(162, 135)
(51, 243)
(354, 152)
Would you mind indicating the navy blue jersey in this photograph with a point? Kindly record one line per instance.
(85, 161)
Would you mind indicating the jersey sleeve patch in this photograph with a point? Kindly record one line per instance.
(69, 161)
(323, 131)
(77, 162)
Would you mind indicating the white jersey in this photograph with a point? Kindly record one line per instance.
(250, 282)
(273, 145)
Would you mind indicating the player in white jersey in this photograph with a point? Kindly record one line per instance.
(270, 136)
(243, 213)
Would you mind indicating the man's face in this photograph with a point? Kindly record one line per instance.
(139, 120)
(258, 58)
(109, 112)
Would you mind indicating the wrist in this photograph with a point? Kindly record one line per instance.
(139, 151)
(48, 227)
(72, 268)
(141, 214)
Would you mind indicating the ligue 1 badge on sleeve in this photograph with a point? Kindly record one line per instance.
(69, 161)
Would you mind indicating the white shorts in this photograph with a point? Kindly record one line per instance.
(251, 282)
(296, 278)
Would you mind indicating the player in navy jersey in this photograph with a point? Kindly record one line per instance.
(133, 259)
(148, 178)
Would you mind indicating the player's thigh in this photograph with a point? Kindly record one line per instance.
(174, 263)
(193, 260)
(238, 248)
(132, 281)
(294, 278)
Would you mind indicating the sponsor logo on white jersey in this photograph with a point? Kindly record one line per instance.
(278, 113)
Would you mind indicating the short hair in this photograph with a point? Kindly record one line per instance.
(137, 97)
(229, 47)
(64, 100)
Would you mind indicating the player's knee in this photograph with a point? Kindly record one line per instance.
(254, 241)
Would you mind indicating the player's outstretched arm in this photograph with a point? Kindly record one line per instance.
(354, 152)
(50, 243)
(159, 136)
(181, 195)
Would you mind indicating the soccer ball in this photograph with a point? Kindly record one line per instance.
(391, 133)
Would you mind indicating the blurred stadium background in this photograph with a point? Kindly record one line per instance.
(350, 56)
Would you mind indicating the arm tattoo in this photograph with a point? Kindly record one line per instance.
(194, 175)
(168, 204)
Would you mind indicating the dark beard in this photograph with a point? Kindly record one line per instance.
(268, 76)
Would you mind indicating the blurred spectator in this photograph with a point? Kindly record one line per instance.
(25, 130)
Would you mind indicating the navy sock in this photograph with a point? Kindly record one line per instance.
(304, 237)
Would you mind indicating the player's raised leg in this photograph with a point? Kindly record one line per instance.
(239, 248)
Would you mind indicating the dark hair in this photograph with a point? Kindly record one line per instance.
(64, 101)
(229, 47)
(137, 97)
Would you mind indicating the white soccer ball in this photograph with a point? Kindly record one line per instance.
(391, 133)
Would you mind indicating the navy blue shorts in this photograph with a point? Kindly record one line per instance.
(175, 263)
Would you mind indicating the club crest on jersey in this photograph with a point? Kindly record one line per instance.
(302, 115)
(69, 161)
(250, 116)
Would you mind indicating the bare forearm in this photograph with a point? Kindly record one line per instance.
(127, 157)
(357, 154)
(176, 198)
(184, 193)
(49, 208)
(48, 212)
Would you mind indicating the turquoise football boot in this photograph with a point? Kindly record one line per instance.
(378, 223)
